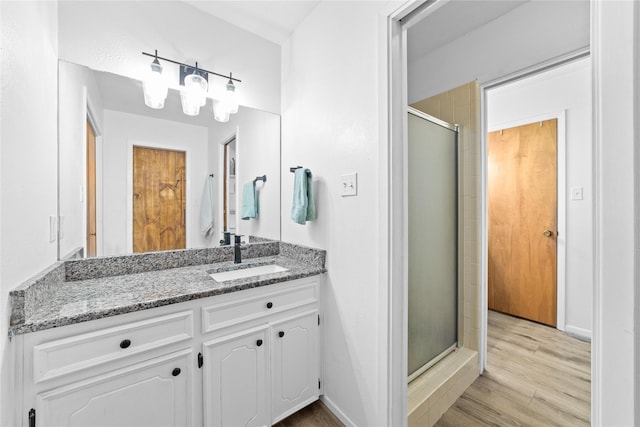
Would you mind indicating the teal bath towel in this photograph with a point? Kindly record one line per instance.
(303, 208)
(249, 201)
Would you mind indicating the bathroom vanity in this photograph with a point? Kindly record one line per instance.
(172, 346)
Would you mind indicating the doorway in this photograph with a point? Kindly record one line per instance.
(229, 186)
(91, 241)
(159, 199)
(522, 221)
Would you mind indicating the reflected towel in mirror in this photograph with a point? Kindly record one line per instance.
(249, 201)
(206, 208)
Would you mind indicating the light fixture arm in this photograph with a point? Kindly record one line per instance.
(230, 77)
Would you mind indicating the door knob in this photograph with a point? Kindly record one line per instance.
(548, 233)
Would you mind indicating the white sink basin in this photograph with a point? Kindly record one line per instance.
(224, 276)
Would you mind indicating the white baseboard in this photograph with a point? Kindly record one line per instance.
(580, 333)
(337, 411)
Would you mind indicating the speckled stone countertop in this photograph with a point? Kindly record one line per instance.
(75, 291)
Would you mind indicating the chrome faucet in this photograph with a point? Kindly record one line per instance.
(237, 249)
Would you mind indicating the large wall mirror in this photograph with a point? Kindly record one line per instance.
(135, 179)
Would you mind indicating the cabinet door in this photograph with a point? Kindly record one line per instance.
(235, 379)
(153, 393)
(294, 360)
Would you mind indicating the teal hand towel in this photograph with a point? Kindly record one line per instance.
(249, 201)
(303, 208)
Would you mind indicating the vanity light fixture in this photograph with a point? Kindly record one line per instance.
(194, 93)
(229, 98)
(155, 86)
(220, 112)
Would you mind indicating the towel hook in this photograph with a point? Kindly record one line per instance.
(262, 178)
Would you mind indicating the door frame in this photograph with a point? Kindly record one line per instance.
(221, 144)
(484, 215)
(561, 170)
(393, 71)
(187, 161)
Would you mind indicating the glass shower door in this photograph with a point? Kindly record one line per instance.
(433, 240)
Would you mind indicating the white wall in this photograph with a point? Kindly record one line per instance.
(527, 35)
(79, 87)
(258, 153)
(567, 88)
(120, 131)
(110, 36)
(28, 156)
(615, 52)
(330, 103)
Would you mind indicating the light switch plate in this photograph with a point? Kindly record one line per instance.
(349, 185)
(576, 193)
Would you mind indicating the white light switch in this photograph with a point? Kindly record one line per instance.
(349, 185)
(576, 193)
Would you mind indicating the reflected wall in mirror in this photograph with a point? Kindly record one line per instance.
(133, 179)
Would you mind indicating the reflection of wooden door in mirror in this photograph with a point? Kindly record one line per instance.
(91, 191)
(229, 186)
(522, 202)
(224, 187)
(159, 200)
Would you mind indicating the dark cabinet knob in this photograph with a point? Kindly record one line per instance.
(176, 372)
(259, 343)
(269, 305)
(281, 334)
(125, 343)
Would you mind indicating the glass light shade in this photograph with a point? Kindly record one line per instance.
(230, 99)
(220, 112)
(155, 87)
(194, 94)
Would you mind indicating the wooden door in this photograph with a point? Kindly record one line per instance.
(235, 379)
(154, 393)
(159, 200)
(294, 364)
(91, 191)
(522, 221)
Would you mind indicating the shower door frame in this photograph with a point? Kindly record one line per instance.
(459, 236)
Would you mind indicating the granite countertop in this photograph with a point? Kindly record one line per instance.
(41, 305)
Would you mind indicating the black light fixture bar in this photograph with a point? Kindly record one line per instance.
(230, 77)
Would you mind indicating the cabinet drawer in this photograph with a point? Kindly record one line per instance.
(232, 310)
(64, 356)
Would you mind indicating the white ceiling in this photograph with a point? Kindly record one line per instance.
(275, 20)
(272, 20)
(436, 30)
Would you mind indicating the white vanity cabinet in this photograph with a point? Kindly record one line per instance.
(139, 373)
(268, 340)
(246, 358)
(153, 393)
(236, 379)
(295, 380)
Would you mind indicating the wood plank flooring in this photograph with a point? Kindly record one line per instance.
(535, 376)
(314, 415)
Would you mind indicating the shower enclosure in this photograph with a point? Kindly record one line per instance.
(433, 223)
